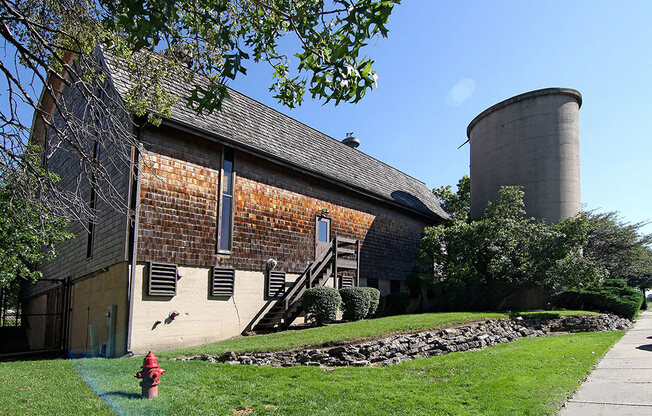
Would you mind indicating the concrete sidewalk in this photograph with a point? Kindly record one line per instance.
(621, 383)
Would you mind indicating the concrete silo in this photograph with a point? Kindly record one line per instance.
(530, 140)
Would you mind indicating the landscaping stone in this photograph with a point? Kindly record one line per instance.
(398, 348)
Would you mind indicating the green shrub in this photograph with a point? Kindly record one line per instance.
(374, 300)
(355, 303)
(321, 304)
(617, 283)
(396, 303)
(613, 296)
(381, 306)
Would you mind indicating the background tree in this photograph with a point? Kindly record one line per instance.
(457, 204)
(311, 46)
(505, 252)
(29, 232)
(618, 245)
(620, 248)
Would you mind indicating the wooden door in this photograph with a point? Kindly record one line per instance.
(322, 234)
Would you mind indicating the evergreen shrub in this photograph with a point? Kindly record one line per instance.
(374, 300)
(612, 296)
(321, 304)
(355, 303)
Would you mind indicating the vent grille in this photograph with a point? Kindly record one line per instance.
(347, 281)
(162, 279)
(372, 282)
(394, 286)
(223, 281)
(275, 284)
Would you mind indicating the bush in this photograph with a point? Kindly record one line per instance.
(374, 300)
(321, 304)
(381, 306)
(355, 302)
(613, 296)
(396, 303)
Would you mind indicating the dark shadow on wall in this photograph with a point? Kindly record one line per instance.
(388, 249)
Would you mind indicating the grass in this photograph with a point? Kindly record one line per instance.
(352, 331)
(530, 376)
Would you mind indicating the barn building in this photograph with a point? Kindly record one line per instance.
(233, 214)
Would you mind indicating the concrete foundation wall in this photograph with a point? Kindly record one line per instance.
(202, 318)
(90, 301)
(531, 140)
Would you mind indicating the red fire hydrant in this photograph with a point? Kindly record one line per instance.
(151, 376)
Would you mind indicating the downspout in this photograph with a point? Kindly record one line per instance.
(134, 248)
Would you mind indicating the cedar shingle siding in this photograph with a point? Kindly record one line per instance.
(274, 212)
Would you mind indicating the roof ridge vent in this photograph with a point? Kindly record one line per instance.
(351, 141)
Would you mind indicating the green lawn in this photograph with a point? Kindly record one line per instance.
(352, 331)
(531, 376)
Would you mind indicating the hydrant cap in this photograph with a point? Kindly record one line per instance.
(150, 361)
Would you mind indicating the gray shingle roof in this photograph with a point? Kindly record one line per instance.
(249, 124)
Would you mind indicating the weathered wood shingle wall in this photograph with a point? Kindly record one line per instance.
(274, 213)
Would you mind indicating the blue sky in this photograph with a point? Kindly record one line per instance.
(445, 62)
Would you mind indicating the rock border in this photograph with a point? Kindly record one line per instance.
(398, 348)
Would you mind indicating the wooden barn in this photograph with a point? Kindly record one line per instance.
(233, 215)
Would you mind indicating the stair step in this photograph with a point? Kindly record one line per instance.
(347, 264)
(343, 240)
(345, 251)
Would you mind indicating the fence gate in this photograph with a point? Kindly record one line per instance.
(35, 324)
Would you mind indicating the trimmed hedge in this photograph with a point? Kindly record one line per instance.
(396, 303)
(355, 302)
(321, 304)
(613, 296)
(374, 300)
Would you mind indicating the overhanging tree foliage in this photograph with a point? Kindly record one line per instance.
(311, 46)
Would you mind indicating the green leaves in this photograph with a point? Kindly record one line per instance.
(29, 229)
(505, 247)
(458, 204)
(325, 41)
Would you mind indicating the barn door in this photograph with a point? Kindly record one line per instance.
(322, 234)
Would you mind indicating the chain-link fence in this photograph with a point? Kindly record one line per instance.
(34, 324)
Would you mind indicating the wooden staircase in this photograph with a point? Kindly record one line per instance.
(338, 264)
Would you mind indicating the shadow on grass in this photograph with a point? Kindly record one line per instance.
(121, 394)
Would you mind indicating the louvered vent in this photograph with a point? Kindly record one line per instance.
(222, 282)
(347, 281)
(275, 284)
(162, 279)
